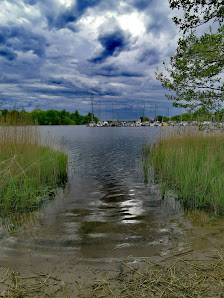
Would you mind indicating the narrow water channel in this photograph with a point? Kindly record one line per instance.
(107, 213)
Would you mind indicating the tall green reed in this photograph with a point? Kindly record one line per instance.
(192, 164)
(29, 168)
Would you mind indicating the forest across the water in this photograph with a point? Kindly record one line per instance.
(49, 117)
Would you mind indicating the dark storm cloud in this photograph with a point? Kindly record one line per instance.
(130, 74)
(66, 89)
(56, 92)
(82, 5)
(4, 79)
(18, 38)
(160, 20)
(159, 24)
(61, 20)
(141, 4)
(50, 67)
(113, 44)
(56, 81)
(70, 15)
(7, 53)
(62, 82)
(67, 17)
(109, 92)
(113, 71)
(150, 56)
(31, 2)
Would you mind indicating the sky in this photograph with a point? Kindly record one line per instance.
(55, 53)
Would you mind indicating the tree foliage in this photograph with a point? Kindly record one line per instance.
(49, 117)
(194, 76)
(197, 12)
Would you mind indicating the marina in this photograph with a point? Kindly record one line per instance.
(151, 124)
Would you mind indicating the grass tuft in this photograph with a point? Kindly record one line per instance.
(192, 165)
(29, 170)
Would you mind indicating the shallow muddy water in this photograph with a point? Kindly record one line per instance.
(108, 212)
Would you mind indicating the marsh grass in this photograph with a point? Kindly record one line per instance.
(30, 169)
(16, 118)
(192, 164)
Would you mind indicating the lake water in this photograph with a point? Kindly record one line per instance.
(108, 212)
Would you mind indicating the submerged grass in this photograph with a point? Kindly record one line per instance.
(192, 164)
(29, 169)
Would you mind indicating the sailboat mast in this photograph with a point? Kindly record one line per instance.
(92, 107)
(99, 109)
(112, 111)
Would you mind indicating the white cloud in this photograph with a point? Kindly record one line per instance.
(133, 22)
(149, 38)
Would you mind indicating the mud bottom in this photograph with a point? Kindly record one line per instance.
(185, 274)
(13, 284)
(178, 276)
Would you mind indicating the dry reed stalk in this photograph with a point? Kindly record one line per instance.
(174, 277)
(12, 284)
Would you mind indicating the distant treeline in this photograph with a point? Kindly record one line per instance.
(50, 117)
(199, 115)
(54, 117)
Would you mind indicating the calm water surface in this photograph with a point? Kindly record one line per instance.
(107, 211)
